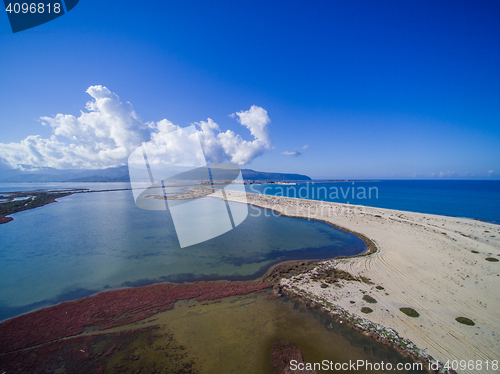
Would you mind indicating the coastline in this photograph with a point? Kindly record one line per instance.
(35, 199)
(433, 264)
(205, 327)
(390, 271)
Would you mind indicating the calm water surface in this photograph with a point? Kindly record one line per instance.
(236, 335)
(90, 242)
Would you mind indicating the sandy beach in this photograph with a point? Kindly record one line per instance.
(433, 264)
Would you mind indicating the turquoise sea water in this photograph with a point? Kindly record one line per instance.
(456, 198)
(90, 242)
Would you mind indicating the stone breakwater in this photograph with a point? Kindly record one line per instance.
(110, 309)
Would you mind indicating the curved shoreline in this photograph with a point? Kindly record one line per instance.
(370, 244)
(384, 335)
(22, 329)
(416, 266)
(262, 264)
(35, 199)
(442, 233)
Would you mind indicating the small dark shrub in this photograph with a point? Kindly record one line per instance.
(410, 312)
(369, 299)
(465, 321)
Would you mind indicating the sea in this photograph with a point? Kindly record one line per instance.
(476, 199)
(92, 242)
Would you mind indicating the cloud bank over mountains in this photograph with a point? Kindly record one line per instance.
(106, 134)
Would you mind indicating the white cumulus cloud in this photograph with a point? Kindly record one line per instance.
(218, 146)
(239, 151)
(106, 134)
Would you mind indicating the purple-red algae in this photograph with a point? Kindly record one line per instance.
(273, 296)
(110, 350)
(105, 309)
(282, 354)
(101, 353)
(128, 320)
(4, 219)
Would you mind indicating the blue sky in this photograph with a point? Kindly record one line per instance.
(373, 89)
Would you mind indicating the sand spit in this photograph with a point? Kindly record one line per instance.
(441, 267)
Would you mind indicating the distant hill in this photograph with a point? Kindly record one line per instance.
(117, 174)
(249, 174)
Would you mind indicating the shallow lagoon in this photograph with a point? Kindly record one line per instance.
(236, 335)
(91, 242)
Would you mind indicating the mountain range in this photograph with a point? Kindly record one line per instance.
(116, 174)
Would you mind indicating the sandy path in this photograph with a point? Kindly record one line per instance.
(424, 262)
